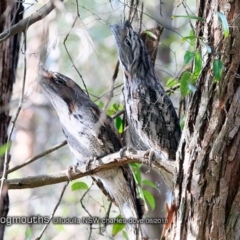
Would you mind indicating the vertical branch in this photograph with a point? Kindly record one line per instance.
(5, 167)
(9, 52)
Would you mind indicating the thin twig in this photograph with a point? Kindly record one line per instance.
(83, 206)
(110, 94)
(172, 89)
(4, 175)
(97, 98)
(103, 229)
(30, 160)
(117, 114)
(64, 43)
(54, 210)
(27, 22)
(140, 18)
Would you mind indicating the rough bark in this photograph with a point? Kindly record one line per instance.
(207, 190)
(10, 13)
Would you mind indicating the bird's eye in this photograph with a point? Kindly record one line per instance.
(127, 42)
(59, 81)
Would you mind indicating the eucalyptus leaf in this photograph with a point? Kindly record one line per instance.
(224, 22)
(150, 199)
(117, 227)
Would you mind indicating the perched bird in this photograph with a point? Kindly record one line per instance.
(91, 134)
(152, 119)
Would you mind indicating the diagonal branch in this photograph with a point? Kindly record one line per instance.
(24, 24)
(30, 160)
(167, 169)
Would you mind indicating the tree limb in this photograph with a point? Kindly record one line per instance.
(24, 24)
(167, 169)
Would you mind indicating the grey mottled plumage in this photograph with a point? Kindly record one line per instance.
(90, 133)
(153, 122)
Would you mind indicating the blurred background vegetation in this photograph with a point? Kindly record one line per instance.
(91, 47)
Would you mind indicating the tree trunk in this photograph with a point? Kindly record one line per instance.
(207, 190)
(11, 13)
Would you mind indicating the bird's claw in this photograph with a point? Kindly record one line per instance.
(74, 169)
(128, 149)
(89, 162)
(149, 154)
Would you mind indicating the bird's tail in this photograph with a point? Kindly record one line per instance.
(119, 184)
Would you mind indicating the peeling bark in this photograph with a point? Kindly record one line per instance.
(207, 190)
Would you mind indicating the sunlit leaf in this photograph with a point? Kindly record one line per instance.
(117, 106)
(171, 82)
(149, 33)
(149, 183)
(217, 69)
(188, 57)
(117, 227)
(189, 17)
(149, 198)
(79, 186)
(184, 80)
(197, 66)
(224, 22)
(4, 147)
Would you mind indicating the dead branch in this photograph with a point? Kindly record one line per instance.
(24, 24)
(167, 169)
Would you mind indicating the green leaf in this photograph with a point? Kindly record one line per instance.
(217, 69)
(149, 198)
(188, 57)
(28, 233)
(192, 41)
(189, 17)
(117, 227)
(119, 124)
(125, 235)
(134, 165)
(197, 66)
(191, 38)
(137, 173)
(4, 147)
(224, 22)
(184, 80)
(101, 104)
(79, 186)
(149, 33)
(171, 82)
(149, 183)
